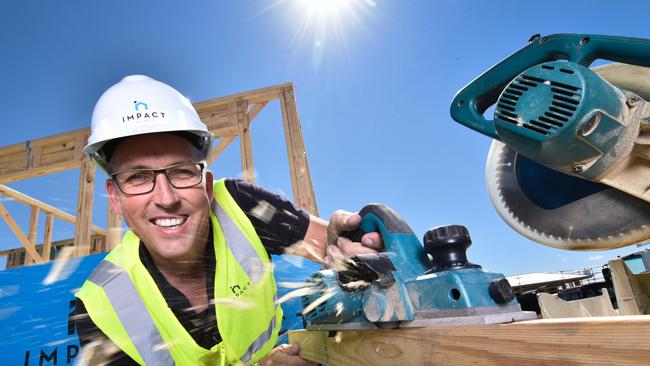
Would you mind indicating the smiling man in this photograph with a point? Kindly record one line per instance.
(192, 282)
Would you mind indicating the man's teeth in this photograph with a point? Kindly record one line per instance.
(169, 222)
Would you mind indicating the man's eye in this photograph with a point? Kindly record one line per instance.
(137, 178)
(182, 173)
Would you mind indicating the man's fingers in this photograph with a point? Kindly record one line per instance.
(286, 355)
(348, 247)
(339, 222)
(290, 349)
(373, 241)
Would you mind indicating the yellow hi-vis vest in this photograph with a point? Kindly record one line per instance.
(125, 303)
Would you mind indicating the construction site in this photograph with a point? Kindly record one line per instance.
(567, 120)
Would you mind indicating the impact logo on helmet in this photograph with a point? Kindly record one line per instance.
(142, 113)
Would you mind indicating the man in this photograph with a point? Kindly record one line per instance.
(191, 283)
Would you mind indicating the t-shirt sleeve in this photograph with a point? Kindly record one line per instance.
(277, 221)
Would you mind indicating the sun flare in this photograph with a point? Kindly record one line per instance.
(326, 26)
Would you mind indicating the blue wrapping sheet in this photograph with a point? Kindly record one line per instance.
(35, 323)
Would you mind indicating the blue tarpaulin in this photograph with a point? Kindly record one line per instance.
(35, 317)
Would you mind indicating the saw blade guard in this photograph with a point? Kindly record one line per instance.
(559, 210)
(571, 164)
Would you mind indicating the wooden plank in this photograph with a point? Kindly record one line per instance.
(114, 229)
(84, 207)
(23, 198)
(630, 299)
(245, 143)
(32, 230)
(301, 183)
(29, 247)
(578, 341)
(79, 143)
(47, 237)
(35, 157)
(257, 108)
(221, 146)
(23, 173)
(253, 97)
(41, 156)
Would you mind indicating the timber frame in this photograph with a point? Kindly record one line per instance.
(618, 340)
(227, 118)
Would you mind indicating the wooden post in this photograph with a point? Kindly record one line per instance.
(221, 146)
(84, 206)
(114, 229)
(303, 189)
(245, 143)
(31, 233)
(47, 237)
(618, 340)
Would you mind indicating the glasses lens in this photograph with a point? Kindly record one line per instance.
(136, 181)
(185, 175)
(139, 181)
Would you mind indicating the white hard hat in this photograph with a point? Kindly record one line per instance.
(139, 105)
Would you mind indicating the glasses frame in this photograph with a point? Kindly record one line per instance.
(164, 171)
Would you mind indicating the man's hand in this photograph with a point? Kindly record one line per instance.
(339, 247)
(285, 355)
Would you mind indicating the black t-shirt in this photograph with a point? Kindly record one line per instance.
(277, 222)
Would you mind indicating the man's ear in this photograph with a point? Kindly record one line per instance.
(113, 198)
(209, 184)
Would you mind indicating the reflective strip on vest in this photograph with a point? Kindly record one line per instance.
(240, 247)
(132, 312)
(243, 251)
(259, 342)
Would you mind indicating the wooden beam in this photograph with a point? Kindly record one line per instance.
(23, 198)
(29, 246)
(41, 156)
(32, 230)
(47, 237)
(245, 143)
(84, 207)
(579, 341)
(114, 229)
(221, 146)
(253, 96)
(257, 108)
(301, 183)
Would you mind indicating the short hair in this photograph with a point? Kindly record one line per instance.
(108, 149)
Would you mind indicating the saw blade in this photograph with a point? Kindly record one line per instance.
(563, 212)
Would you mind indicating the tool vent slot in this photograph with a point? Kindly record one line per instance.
(565, 99)
(319, 287)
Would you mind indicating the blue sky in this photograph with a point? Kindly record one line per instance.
(373, 88)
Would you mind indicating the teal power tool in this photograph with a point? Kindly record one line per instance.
(570, 164)
(409, 285)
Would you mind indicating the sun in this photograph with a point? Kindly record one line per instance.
(325, 8)
(326, 26)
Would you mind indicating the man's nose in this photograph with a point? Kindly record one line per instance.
(164, 194)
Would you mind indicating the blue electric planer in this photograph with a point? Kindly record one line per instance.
(408, 285)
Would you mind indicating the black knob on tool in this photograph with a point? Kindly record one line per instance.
(501, 291)
(448, 245)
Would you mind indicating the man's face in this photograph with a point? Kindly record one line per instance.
(172, 222)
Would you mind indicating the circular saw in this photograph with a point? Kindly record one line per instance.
(570, 164)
